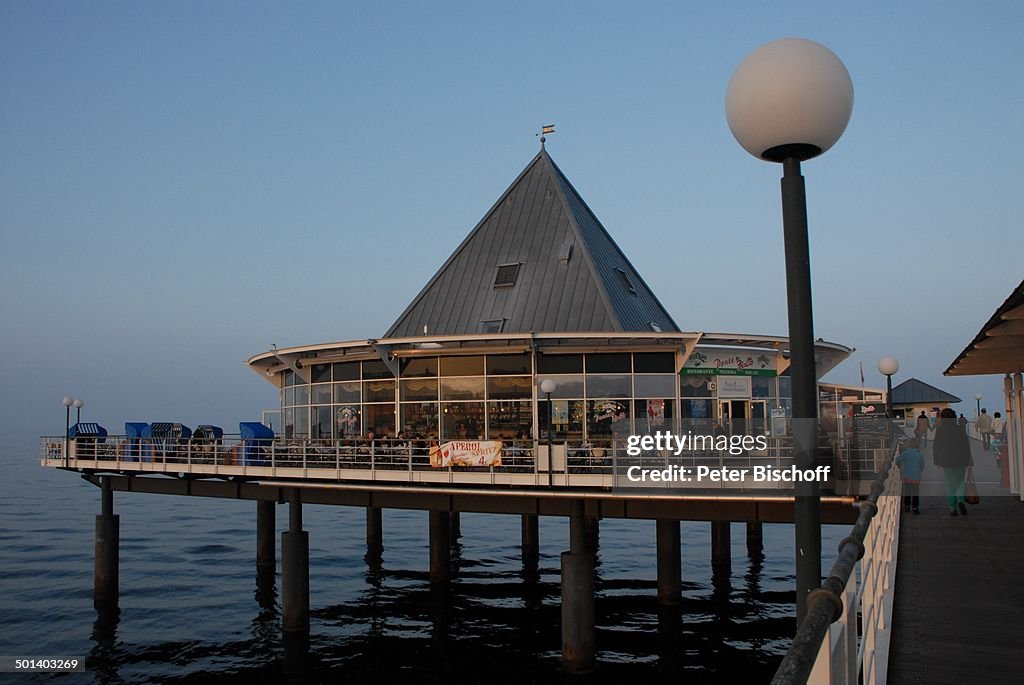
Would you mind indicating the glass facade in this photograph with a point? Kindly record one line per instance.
(599, 397)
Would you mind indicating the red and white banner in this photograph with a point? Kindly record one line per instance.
(466, 453)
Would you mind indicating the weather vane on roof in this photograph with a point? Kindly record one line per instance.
(545, 130)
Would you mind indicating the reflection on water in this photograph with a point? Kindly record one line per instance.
(189, 608)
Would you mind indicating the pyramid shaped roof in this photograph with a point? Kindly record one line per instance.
(538, 261)
(913, 391)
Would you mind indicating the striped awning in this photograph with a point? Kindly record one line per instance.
(169, 430)
(999, 346)
(87, 430)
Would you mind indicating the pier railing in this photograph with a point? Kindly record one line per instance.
(522, 462)
(844, 638)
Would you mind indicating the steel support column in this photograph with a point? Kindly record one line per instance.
(266, 549)
(670, 569)
(454, 526)
(374, 531)
(440, 547)
(295, 570)
(755, 537)
(106, 585)
(721, 553)
(531, 540)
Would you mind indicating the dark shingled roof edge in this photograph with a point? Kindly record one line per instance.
(913, 391)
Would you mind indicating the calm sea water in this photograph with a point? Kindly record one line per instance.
(190, 611)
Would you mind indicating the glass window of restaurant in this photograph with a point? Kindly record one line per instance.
(604, 397)
(467, 397)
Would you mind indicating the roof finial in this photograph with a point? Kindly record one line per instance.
(544, 130)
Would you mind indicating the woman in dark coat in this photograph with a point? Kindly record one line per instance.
(952, 451)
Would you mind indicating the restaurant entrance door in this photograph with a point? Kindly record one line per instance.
(744, 417)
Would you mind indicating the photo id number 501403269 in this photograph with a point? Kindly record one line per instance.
(36, 664)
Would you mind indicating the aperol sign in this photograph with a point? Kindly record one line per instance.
(466, 453)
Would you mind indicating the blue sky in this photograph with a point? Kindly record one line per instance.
(184, 184)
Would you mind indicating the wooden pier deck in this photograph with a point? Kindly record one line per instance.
(959, 599)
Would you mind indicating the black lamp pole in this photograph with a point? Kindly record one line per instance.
(551, 456)
(67, 432)
(888, 395)
(807, 512)
(788, 101)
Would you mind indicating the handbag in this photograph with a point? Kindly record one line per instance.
(971, 495)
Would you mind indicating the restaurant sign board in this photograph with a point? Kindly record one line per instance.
(730, 362)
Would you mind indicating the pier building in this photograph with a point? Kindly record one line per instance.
(508, 385)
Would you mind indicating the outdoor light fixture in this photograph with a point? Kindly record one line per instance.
(548, 386)
(789, 101)
(887, 366)
(78, 404)
(67, 402)
(977, 398)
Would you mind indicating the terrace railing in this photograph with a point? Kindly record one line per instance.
(574, 463)
(844, 638)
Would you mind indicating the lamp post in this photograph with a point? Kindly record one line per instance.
(789, 101)
(977, 399)
(548, 386)
(78, 404)
(67, 402)
(887, 366)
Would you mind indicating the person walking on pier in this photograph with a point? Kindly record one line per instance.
(921, 429)
(997, 432)
(911, 464)
(985, 428)
(952, 451)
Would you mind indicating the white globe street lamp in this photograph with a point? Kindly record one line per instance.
(887, 366)
(78, 404)
(788, 101)
(789, 98)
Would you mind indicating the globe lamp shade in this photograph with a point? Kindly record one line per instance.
(791, 97)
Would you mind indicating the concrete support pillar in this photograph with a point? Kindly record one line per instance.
(454, 526)
(720, 544)
(531, 539)
(108, 542)
(295, 570)
(755, 538)
(670, 568)
(266, 549)
(374, 531)
(440, 547)
(578, 634)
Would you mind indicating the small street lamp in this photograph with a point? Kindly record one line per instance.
(977, 398)
(67, 402)
(789, 101)
(548, 386)
(78, 404)
(887, 366)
